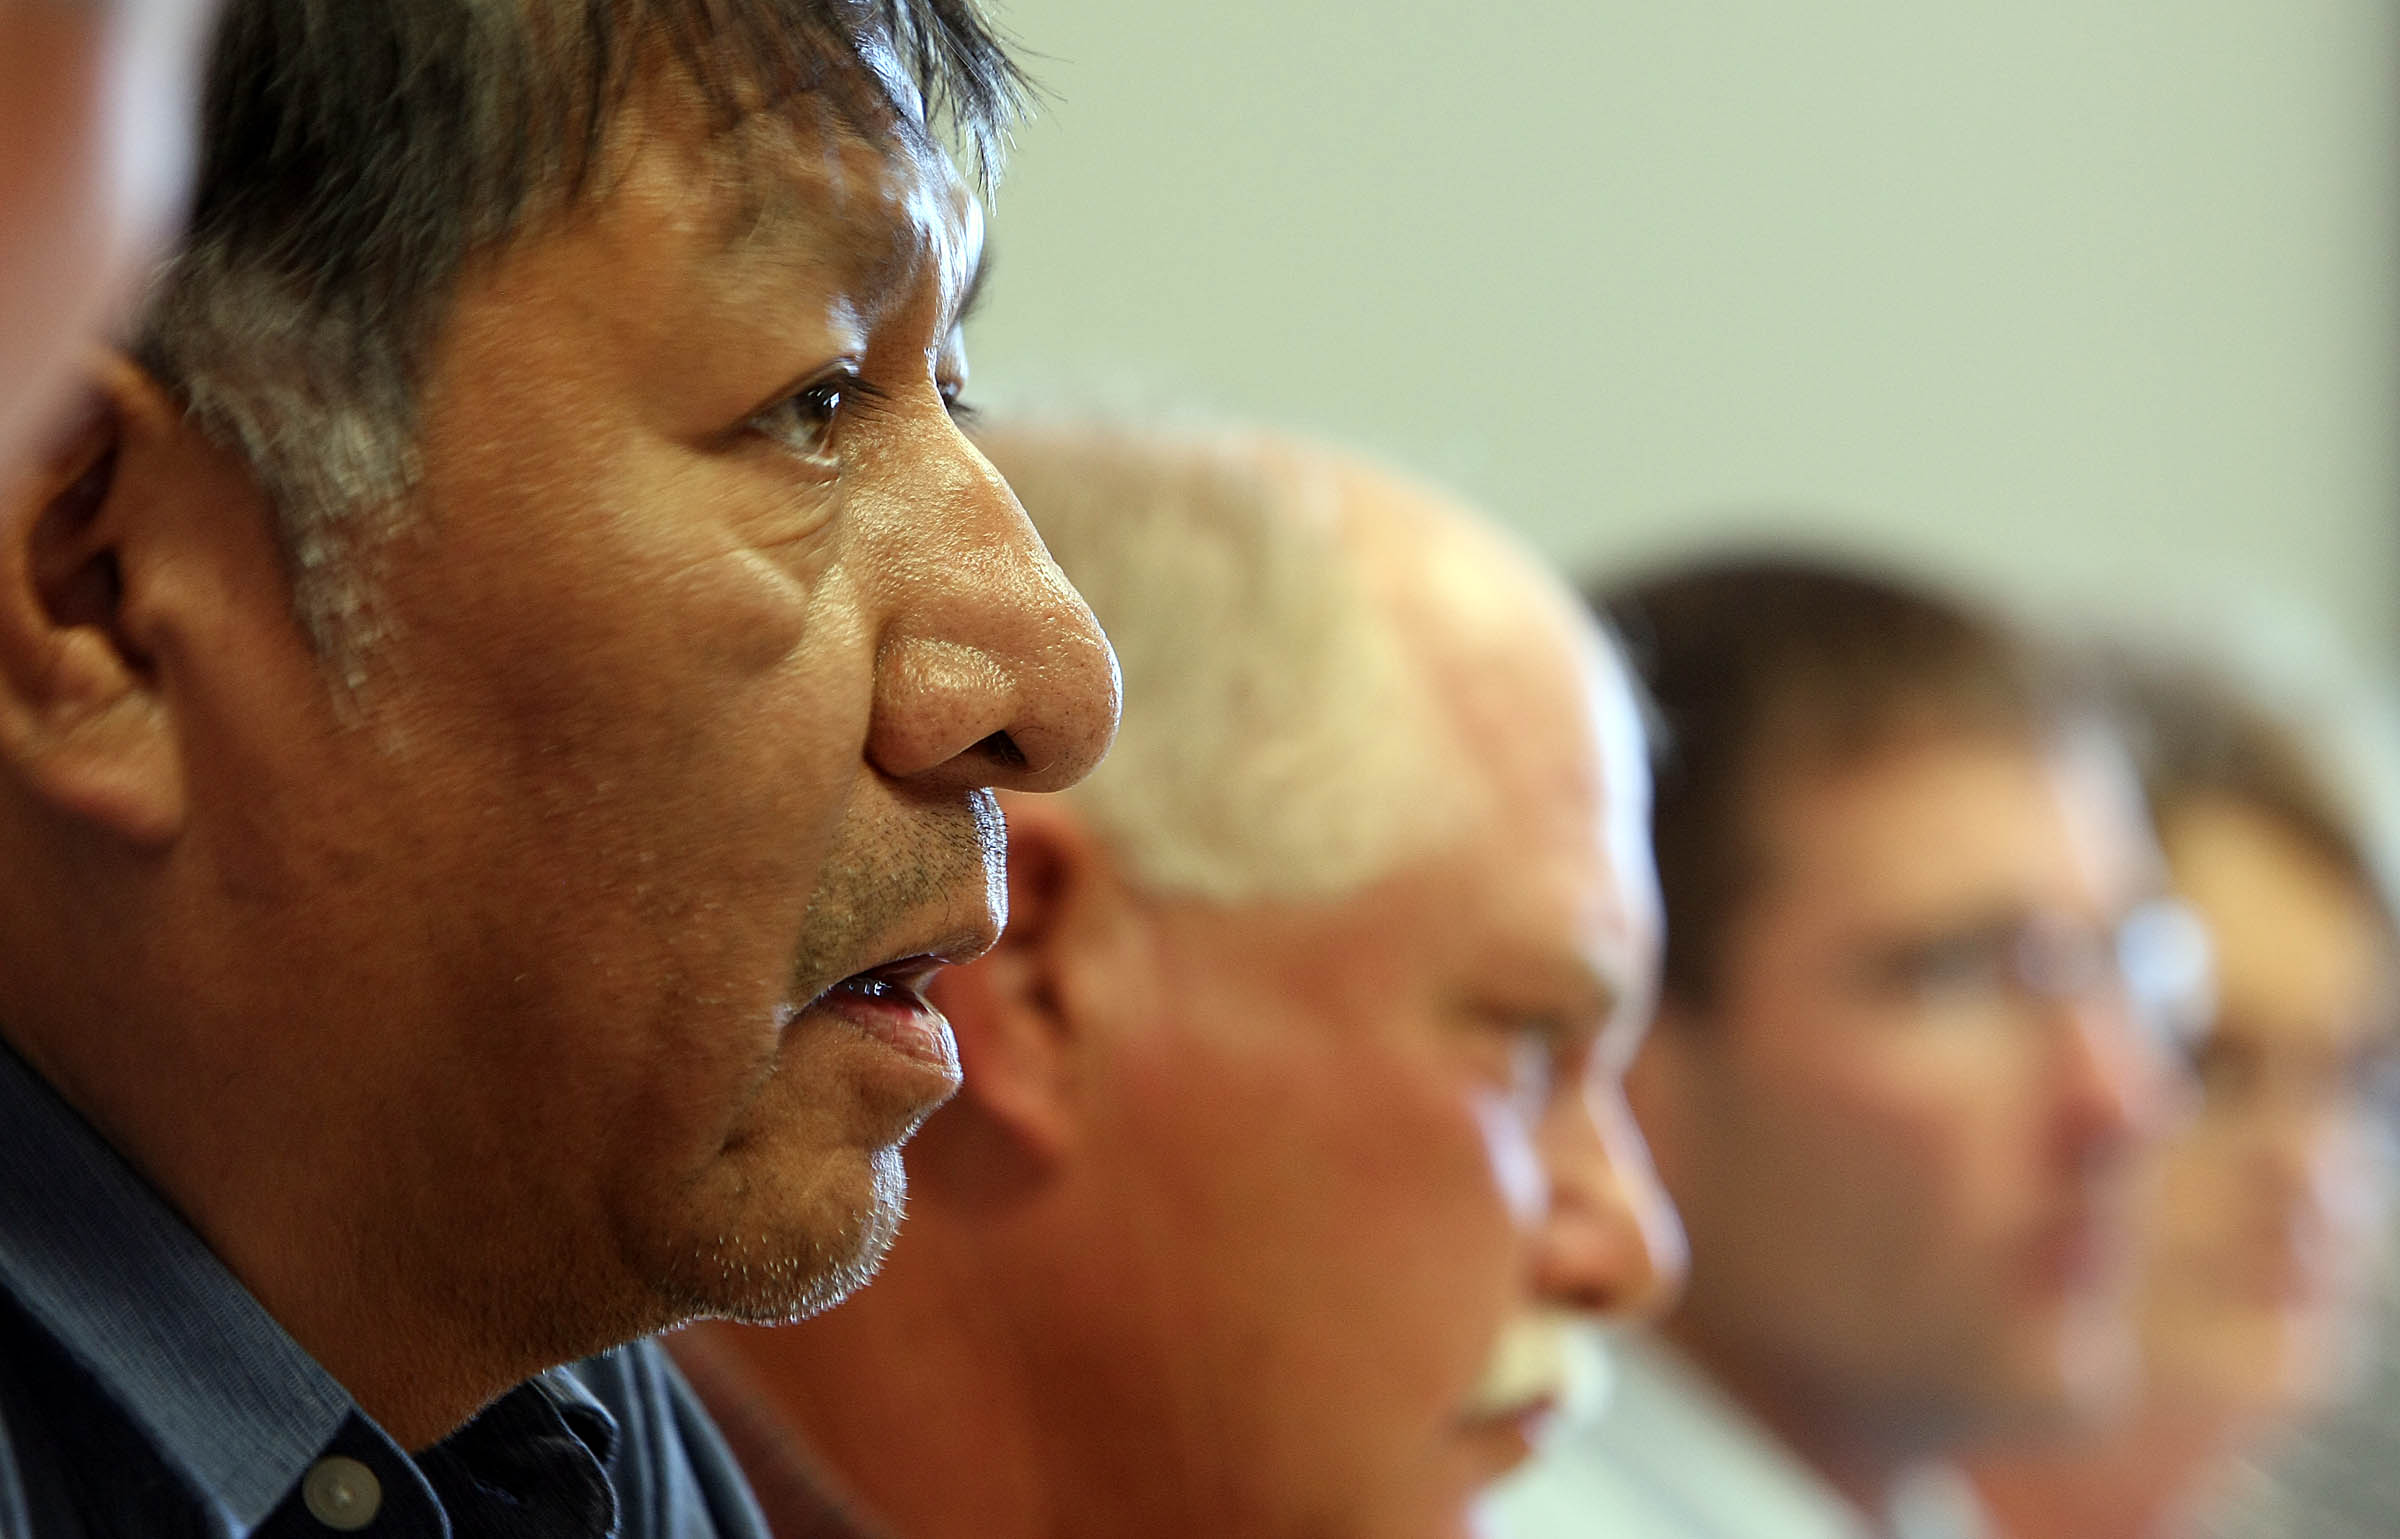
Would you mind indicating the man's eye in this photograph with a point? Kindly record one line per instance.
(1952, 968)
(1533, 1064)
(804, 421)
(1522, 1056)
(2228, 1068)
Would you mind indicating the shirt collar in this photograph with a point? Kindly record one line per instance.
(1666, 1417)
(101, 1263)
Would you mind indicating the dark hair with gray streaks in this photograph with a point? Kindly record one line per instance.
(356, 153)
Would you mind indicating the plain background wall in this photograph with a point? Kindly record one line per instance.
(2100, 303)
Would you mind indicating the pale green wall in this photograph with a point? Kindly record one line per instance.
(2095, 299)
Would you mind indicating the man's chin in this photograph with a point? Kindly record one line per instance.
(2095, 1366)
(788, 1266)
(2045, 1394)
(1497, 1445)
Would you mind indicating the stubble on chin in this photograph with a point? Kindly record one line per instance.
(798, 1269)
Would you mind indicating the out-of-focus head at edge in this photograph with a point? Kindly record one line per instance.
(98, 101)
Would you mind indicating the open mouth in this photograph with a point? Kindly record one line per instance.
(887, 1004)
(1547, 1366)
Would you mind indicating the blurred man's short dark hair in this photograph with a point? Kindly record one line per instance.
(1760, 664)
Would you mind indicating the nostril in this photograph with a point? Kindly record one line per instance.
(1002, 750)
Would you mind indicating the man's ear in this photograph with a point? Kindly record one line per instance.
(1027, 1013)
(84, 726)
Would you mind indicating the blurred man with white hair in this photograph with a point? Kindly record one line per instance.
(1292, 1126)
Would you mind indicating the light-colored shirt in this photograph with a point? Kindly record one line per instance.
(1669, 1455)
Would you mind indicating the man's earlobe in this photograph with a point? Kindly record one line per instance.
(83, 726)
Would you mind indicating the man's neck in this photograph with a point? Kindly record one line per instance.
(2139, 1482)
(318, 1229)
(878, 1420)
(1841, 1449)
(800, 1498)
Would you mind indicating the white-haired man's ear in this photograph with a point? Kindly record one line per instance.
(1072, 969)
(92, 578)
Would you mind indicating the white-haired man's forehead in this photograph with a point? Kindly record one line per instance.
(1478, 616)
(1491, 628)
(1439, 563)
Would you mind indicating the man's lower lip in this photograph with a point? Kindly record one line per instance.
(1517, 1434)
(909, 1027)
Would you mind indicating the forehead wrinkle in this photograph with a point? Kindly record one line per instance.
(822, 203)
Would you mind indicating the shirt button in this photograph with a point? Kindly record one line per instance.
(341, 1493)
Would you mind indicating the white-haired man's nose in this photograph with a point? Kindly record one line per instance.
(1611, 1244)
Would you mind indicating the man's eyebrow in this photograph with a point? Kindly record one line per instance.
(1597, 992)
(868, 261)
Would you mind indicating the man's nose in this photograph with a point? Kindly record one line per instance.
(1611, 1243)
(2115, 1087)
(991, 670)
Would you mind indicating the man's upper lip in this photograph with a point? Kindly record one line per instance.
(910, 972)
(1519, 1414)
(914, 968)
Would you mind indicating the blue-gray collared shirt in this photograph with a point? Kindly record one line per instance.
(144, 1392)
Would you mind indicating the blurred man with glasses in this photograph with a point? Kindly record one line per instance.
(1906, 1045)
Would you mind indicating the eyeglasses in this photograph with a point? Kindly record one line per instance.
(2242, 1071)
(2154, 961)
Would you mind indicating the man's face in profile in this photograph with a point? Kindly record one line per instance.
(1899, 1130)
(665, 787)
(1366, 1134)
